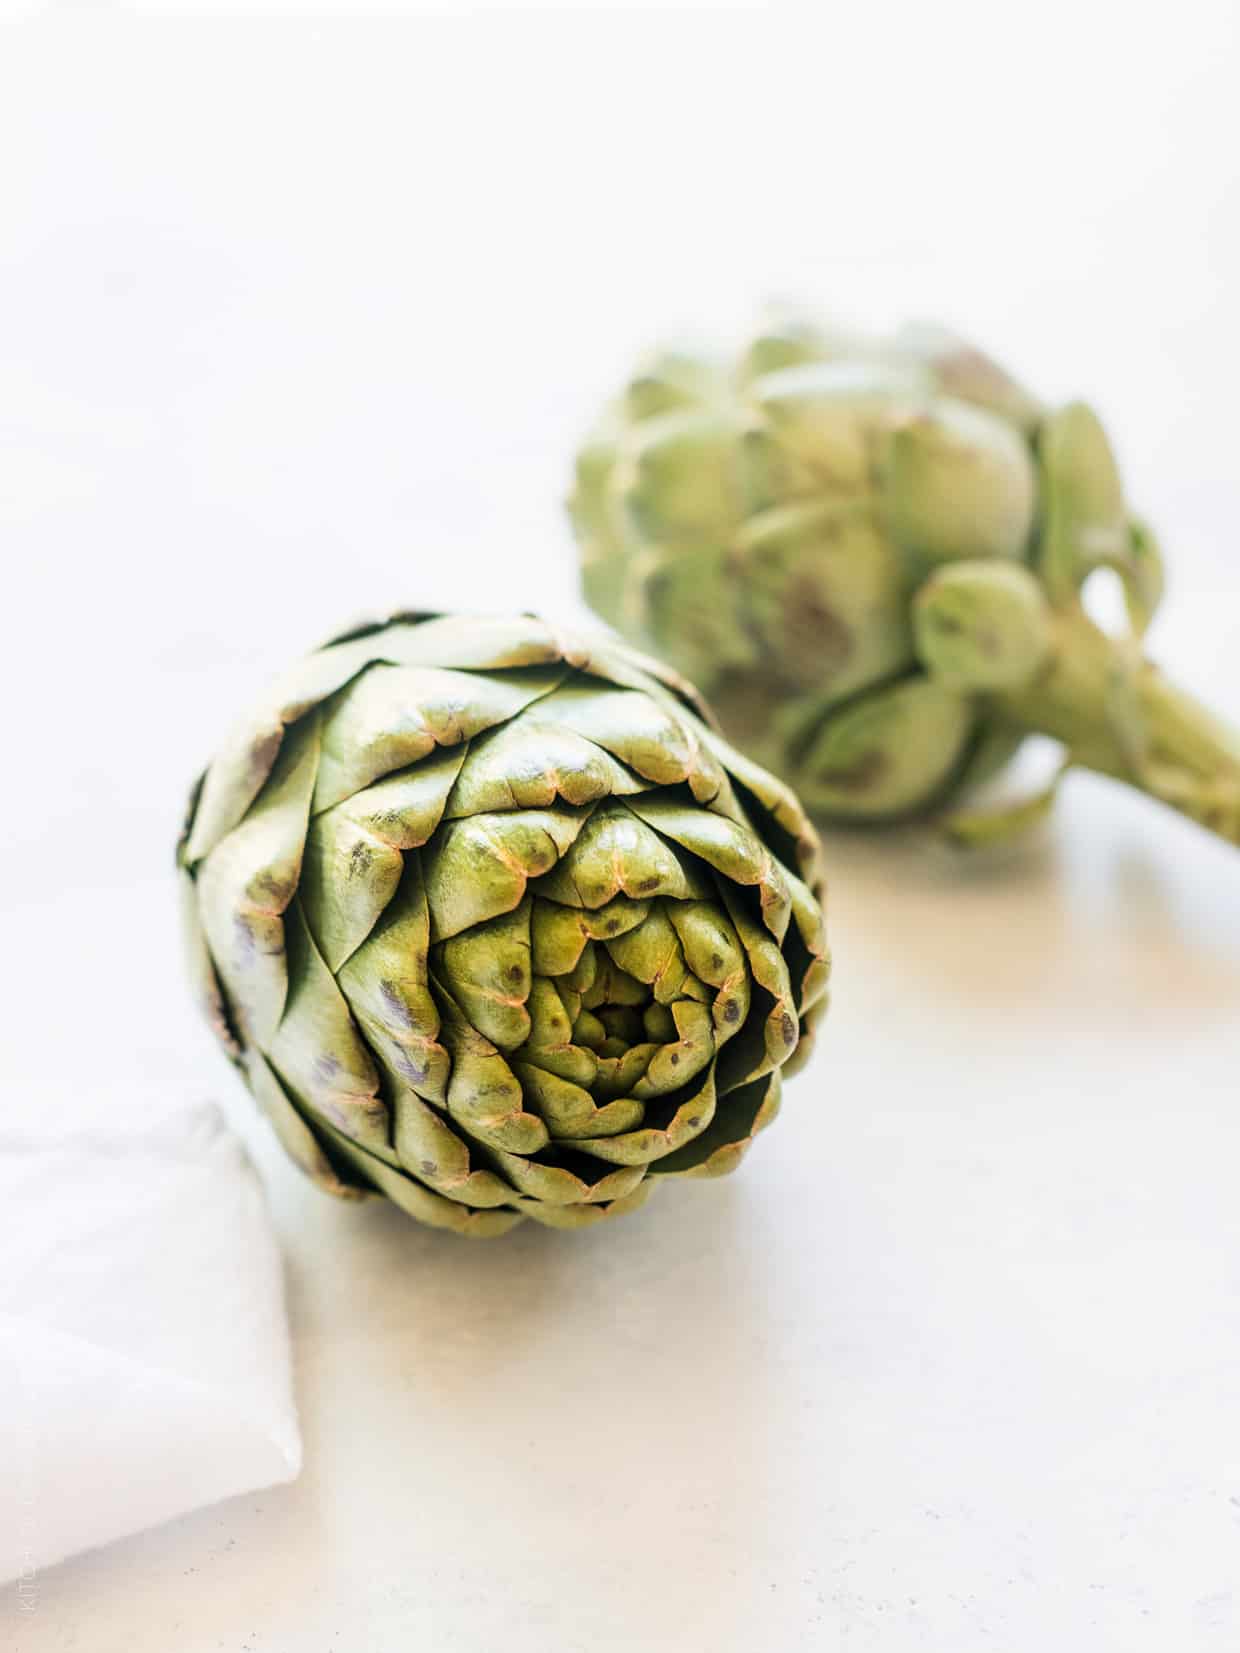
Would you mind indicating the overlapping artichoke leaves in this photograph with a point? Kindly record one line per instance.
(766, 525)
(753, 523)
(490, 929)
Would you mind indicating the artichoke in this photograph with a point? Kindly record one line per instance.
(496, 924)
(870, 557)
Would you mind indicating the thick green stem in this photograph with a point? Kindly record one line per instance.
(1116, 713)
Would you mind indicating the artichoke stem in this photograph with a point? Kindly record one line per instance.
(1115, 712)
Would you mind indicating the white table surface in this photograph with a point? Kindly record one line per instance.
(298, 322)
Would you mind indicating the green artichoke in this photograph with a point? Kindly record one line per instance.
(496, 924)
(870, 558)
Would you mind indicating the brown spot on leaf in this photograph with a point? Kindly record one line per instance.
(264, 752)
(859, 775)
(277, 891)
(731, 1011)
(789, 1028)
(815, 639)
(747, 703)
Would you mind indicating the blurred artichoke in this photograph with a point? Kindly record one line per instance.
(496, 924)
(870, 558)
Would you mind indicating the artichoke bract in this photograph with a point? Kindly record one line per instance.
(497, 925)
(870, 555)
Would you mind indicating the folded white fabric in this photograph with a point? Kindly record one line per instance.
(144, 1355)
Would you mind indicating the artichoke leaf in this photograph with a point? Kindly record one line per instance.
(617, 853)
(354, 861)
(389, 717)
(569, 1110)
(555, 1185)
(733, 851)
(430, 1150)
(480, 866)
(247, 882)
(585, 1216)
(319, 1053)
(295, 1134)
(484, 1096)
(487, 969)
(560, 936)
(650, 1142)
(741, 1114)
(387, 985)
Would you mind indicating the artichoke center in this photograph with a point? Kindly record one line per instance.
(623, 1022)
(618, 1012)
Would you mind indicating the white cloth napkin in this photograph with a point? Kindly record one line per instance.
(144, 1354)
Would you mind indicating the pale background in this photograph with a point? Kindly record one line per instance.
(300, 318)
